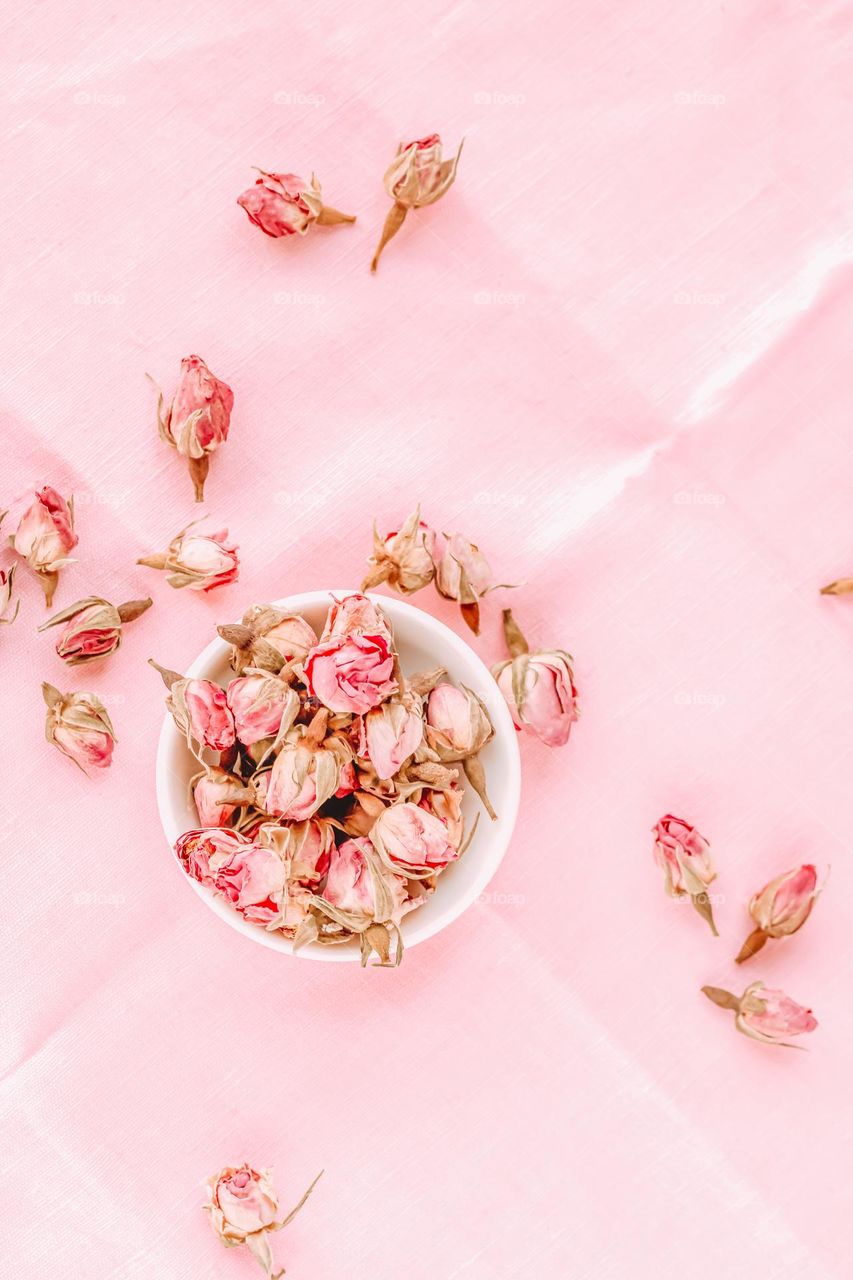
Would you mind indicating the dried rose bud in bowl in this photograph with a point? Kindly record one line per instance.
(333, 817)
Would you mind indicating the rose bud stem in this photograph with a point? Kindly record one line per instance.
(153, 562)
(48, 583)
(471, 614)
(133, 608)
(476, 775)
(702, 904)
(316, 731)
(199, 468)
(328, 217)
(393, 223)
(515, 641)
(840, 588)
(753, 944)
(169, 677)
(724, 999)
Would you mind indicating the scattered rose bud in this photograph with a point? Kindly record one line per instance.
(412, 841)
(197, 421)
(352, 668)
(685, 859)
(268, 639)
(458, 727)
(44, 537)
(244, 1209)
(200, 561)
(282, 204)
(79, 725)
(462, 573)
(538, 687)
(417, 177)
(92, 628)
(200, 710)
(7, 579)
(404, 558)
(781, 908)
(765, 1014)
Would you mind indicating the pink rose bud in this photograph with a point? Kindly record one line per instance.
(352, 668)
(200, 561)
(309, 849)
(210, 791)
(462, 573)
(538, 687)
(253, 881)
(458, 727)
(282, 204)
(390, 735)
(268, 639)
(92, 628)
(685, 859)
(765, 1014)
(197, 420)
(412, 841)
(781, 908)
(305, 774)
(404, 558)
(417, 177)
(447, 807)
(260, 703)
(200, 710)
(244, 1209)
(350, 883)
(44, 537)
(7, 579)
(78, 724)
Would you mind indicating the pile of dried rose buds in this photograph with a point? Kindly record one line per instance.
(329, 795)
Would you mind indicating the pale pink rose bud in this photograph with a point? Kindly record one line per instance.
(684, 856)
(244, 1209)
(268, 639)
(282, 204)
(92, 628)
(252, 880)
(78, 724)
(305, 774)
(352, 668)
(197, 421)
(201, 853)
(764, 1013)
(447, 807)
(7, 579)
(390, 735)
(404, 558)
(347, 780)
(412, 841)
(418, 176)
(458, 727)
(259, 702)
(538, 687)
(200, 561)
(210, 789)
(200, 710)
(309, 849)
(44, 537)
(462, 573)
(781, 908)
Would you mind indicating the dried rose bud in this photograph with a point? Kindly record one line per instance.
(308, 849)
(268, 639)
(201, 853)
(538, 687)
(417, 177)
(7, 579)
(44, 536)
(200, 561)
(841, 587)
(305, 774)
(781, 908)
(78, 723)
(210, 790)
(458, 727)
(282, 204)
(404, 558)
(685, 859)
(446, 805)
(253, 881)
(259, 703)
(92, 628)
(412, 841)
(765, 1014)
(390, 735)
(364, 898)
(244, 1209)
(352, 668)
(200, 710)
(462, 573)
(197, 420)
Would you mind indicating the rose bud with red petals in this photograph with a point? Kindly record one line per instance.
(417, 177)
(263, 706)
(538, 687)
(781, 908)
(352, 668)
(684, 856)
(282, 204)
(765, 1014)
(390, 735)
(44, 537)
(306, 773)
(79, 725)
(211, 790)
(412, 841)
(200, 561)
(197, 420)
(92, 628)
(200, 710)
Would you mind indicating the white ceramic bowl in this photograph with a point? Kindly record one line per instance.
(422, 643)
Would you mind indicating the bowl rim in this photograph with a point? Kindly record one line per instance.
(298, 602)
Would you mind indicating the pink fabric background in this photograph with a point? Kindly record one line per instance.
(617, 355)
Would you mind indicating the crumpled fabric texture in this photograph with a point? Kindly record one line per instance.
(616, 356)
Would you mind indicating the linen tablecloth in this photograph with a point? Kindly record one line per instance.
(616, 356)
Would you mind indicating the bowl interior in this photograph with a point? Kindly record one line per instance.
(422, 643)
